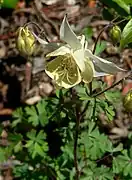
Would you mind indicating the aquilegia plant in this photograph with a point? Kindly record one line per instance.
(58, 138)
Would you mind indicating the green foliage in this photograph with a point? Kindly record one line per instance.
(116, 7)
(100, 47)
(26, 171)
(2, 155)
(101, 173)
(5, 153)
(35, 128)
(128, 2)
(122, 10)
(36, 144)
(123, 5)
(17, 116)
(99, 105)
(37, 114)
(126, 36)
(104, 107)
(88, 32)
(122, 164)
(94, 143)
(9, 3)
(113, 96)
(16, 142)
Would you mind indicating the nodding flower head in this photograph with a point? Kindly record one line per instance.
(25, 41)
(115, 34)
(127, 102)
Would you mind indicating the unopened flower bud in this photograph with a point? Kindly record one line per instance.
(1, 1)
(115, 34)
(25, 41)
(127, 102)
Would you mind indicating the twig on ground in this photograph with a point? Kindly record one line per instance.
(44, 18)
(24, 10)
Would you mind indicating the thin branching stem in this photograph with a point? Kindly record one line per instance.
(116, 83)
(115, 19)
(41, 30)
(32, 23)
(95, 45)
(112, 23)
(121, 21)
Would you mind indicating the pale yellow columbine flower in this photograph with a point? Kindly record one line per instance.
(73, 62)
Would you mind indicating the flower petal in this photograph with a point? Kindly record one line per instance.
(102, 64)
(50, 46)
(60, 51)
(98, 72)
(78, 56)
(40, 40)
(82, 40)
(87, 74)
(67, 35)
(63, 77)
(65, 81)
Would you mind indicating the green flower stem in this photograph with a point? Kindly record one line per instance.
(84, 110)
(94, 110)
